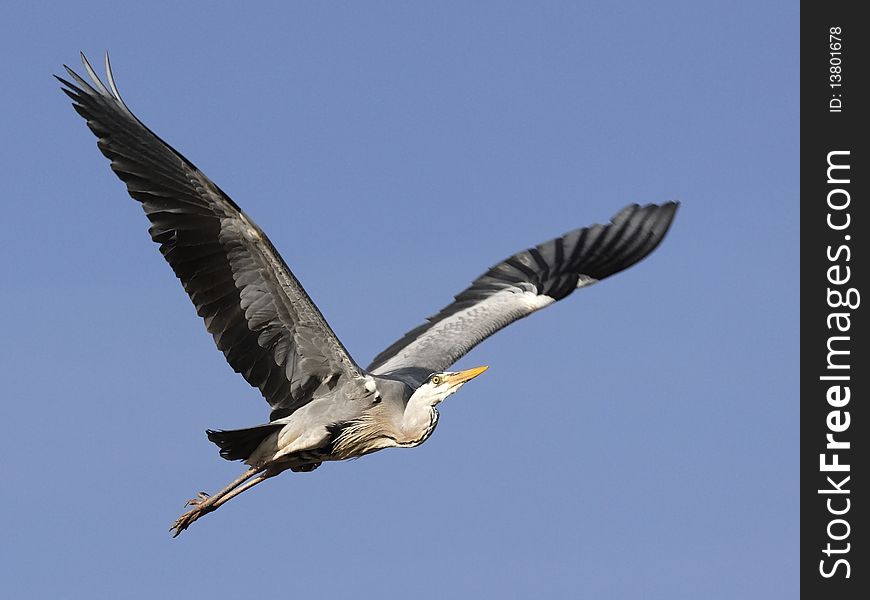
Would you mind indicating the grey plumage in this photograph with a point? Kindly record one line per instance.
(260, 317)
(526, 282)
(324, 406)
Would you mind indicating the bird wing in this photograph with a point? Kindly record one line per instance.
(260, 316)
(524, 283)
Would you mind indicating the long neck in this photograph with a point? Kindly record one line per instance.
(418, 421)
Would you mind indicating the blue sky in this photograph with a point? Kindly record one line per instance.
(639, 439)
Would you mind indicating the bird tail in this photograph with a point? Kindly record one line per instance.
(239, 444)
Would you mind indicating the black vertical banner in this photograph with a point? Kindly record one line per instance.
(835, 362)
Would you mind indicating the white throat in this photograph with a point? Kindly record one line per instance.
(420, 416)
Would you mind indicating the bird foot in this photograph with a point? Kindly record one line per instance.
(184, 521)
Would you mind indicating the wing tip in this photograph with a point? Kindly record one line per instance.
(95, 86)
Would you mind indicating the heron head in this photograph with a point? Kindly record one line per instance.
(440, 385)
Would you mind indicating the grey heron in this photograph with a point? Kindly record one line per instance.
(324, 406)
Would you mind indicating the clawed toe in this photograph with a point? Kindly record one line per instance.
(200, 498)
(204, 503)
(199, 508)
(184, 521)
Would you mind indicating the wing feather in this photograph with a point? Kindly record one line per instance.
(257, 311)
(523, 284)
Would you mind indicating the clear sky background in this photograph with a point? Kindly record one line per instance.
(638, 440)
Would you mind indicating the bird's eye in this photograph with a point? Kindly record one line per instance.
(436, 380)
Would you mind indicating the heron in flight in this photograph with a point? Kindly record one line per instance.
(324, 405)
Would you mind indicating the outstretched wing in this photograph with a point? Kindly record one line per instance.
(260, 316)
(524, 283)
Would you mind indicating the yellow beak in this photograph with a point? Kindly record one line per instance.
(464, 376)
